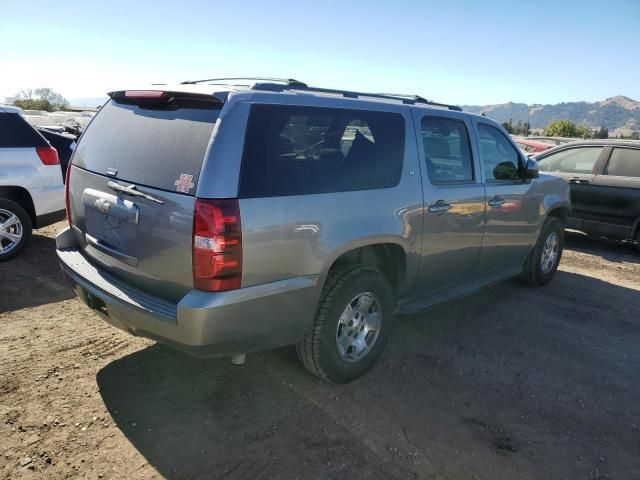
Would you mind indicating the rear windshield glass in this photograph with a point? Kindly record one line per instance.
(154, 147)
(302, 150)
(15, 132)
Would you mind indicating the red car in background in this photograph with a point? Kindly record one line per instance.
(531, 146)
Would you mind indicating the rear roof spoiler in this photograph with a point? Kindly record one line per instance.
(160, 97)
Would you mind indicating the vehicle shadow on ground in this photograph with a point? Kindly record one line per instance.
(608, 249)
(194, 418)
(33, 277)
(492, 380)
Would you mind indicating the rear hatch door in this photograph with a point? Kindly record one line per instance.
(132, 185)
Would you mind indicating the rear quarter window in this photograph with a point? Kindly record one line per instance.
(15, 132)
(624, 162)
(146, 146)
(293, 150)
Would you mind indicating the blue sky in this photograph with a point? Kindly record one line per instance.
(464, 52)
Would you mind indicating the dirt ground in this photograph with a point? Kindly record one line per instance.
(509, 383)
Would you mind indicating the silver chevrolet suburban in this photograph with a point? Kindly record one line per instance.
(227, 216)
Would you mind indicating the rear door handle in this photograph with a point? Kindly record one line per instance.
(439, 207)
(496, 202)
(578, 180)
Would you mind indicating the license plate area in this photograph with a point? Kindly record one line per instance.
(111, 220)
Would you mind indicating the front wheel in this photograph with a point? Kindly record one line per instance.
(351, 327)
(542, 263)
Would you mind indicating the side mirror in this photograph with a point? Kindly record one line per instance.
(531, 170)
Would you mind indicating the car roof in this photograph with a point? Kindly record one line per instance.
(611, 142)
(253, 90)
(603, 141)
(10, 109)
(533, 143)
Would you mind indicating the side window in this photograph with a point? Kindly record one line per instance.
(354, 128)
(572, 160)
(624, 162)
(447, 150)
(293, 150)
(500, 159)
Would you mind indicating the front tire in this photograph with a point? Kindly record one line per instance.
(15, 229)
(542, 263)
(351, 327)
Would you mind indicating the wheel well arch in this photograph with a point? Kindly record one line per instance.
(561, 213)
(22, 197)
(389, 258)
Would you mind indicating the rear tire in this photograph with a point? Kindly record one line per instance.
(543, 260)
(351, 327)
(15, 229)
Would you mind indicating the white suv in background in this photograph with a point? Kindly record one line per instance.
(31, 183)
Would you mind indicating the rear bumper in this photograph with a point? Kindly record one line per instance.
(202, 323)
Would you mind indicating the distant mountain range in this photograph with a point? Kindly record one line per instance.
(620, 114)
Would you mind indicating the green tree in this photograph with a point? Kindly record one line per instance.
(508, 126)
(560, 128)
(582, 131)
(40, 99)
(635, 135)
(602, 132)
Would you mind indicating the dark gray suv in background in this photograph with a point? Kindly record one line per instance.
(227, 216)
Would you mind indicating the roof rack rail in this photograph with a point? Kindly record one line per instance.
(419, 99)
(282, 84)
(406, 99)
(255, 81)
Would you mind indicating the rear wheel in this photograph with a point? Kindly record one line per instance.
(15, 229)
(351, 327)
(543, 261)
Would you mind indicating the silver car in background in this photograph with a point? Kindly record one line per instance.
(228, 216)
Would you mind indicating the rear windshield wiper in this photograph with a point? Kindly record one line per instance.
(130, 190)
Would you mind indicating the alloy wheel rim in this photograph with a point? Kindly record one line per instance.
(358, 327)
(550, 252)
(10, 231)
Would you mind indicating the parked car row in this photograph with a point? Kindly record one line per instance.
(76, 121)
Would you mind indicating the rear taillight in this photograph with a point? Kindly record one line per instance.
(66, 193)
(48, 155)
(217, 245)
